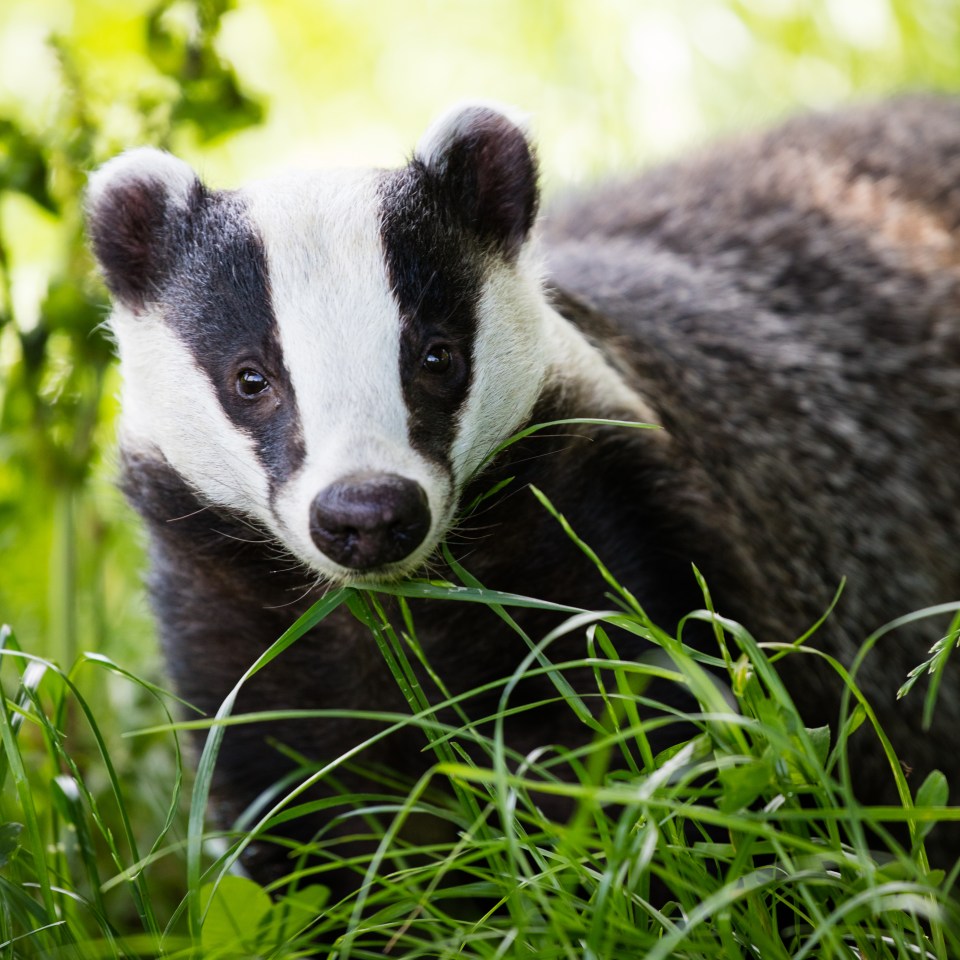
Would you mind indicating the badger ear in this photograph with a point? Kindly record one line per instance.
(135, 206)
(486, 171)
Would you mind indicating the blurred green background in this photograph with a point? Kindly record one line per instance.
(240, 87)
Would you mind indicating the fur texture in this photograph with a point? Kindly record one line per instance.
(786, 306)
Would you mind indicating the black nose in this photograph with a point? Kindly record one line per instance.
(367, 521)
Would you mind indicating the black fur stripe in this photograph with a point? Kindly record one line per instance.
(218, 299)
(436, 275)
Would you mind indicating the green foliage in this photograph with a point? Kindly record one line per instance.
(55, 356)
(241, 920)
(607, 82)
(741, 839)
(748, 822)
(180, 43)
(73, 867)
(68, 557)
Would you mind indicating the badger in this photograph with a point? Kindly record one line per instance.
(319, 370)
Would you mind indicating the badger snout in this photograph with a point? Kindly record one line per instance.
(368, 521)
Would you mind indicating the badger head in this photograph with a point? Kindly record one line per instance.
(331, 355)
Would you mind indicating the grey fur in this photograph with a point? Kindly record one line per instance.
(789, 306)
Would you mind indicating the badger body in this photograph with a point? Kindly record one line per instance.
(316, 369)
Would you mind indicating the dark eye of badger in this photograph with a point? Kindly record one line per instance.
(251, 383)
(437, 359)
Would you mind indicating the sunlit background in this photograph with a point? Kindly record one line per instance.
(608, 82)
(239, 88)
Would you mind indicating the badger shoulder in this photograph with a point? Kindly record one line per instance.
(788, 302)
(814, 266)
(844, 213)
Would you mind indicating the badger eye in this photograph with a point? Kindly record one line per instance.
(437, 359)
(251, 383)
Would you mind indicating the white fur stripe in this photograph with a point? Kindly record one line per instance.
(340, 334)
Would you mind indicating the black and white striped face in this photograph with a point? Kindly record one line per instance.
(332, 355)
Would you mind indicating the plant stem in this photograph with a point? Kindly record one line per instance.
(63, 578)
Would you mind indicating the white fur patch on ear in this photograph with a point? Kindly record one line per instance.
(455, 123)
(143, 164)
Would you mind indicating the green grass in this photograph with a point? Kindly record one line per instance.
(741, 840)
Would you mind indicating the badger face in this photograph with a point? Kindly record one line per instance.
(330, 355)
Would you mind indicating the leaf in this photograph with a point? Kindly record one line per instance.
(934, 665)
(744, 784)
(9, 842)
(294, 913)
(820, 739)
(853, 722)
(745, 685)
(898, 870)
(933, 792)
(183, 48)
(216, 104)
(23, 167)
(234, 909)
(66, 307)
(702, 748)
